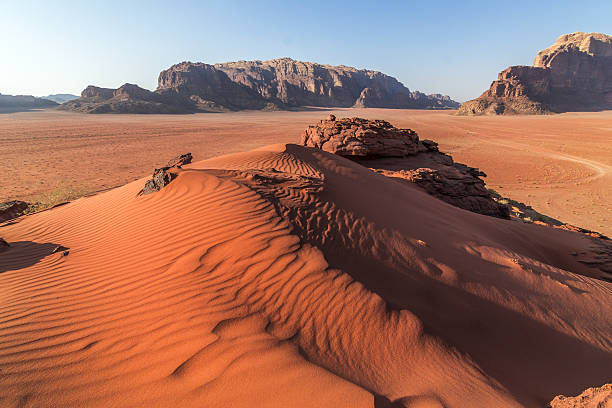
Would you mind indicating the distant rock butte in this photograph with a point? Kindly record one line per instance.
(399, 154)
(278, 84)
(24, 102)
(575, 74)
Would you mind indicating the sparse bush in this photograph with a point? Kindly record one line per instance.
(62, 193)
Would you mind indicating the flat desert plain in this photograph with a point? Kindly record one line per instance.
(561, 165)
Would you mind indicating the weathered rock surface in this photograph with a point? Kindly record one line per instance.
(361, 137)
(398, 153)
(575, 74)
(600, 397)
(12, 209)
(270, 85)
(164, 175)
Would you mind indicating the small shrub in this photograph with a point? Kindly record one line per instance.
(62, 193)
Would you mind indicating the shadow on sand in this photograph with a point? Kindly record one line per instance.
(23, 254)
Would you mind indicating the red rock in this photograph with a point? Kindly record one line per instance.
(575, 74)
(269, 85)
(361, 137)
(398, 153)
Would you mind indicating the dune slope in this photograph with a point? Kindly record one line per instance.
(287, 276)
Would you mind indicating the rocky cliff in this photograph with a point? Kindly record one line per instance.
(575, 74)
(276, 84)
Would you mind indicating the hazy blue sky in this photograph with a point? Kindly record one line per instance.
(451, 47)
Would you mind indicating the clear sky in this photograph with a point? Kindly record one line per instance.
(451, 47)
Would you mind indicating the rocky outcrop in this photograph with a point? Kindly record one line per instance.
(358, 137)
(600, 397)
(12, 209)
(164, 175)
(575, 74)
(269, 85)
(399, 154)
(128, 98)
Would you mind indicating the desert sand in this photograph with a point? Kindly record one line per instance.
(559, 164)
(287, 276)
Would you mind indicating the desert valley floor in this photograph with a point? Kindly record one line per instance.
(268, 274)
(559, 164)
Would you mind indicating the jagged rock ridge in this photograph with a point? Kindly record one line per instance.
(273, 85)
(575, 74)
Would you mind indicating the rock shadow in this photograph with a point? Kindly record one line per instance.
(23, 254)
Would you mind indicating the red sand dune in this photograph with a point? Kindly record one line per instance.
(287, 276)
(559, 164)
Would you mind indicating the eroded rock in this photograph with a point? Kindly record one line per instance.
(356, 137)
(164, 175)
(276, 84)
(12, 209)
(575, 74)
(398, 153)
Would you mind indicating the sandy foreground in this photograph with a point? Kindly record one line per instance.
(286, 276)
(559, 164)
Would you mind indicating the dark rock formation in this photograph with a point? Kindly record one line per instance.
(575, 74)
(9, 103)
(399, 154)
(181, 160)
(163, 176)
(12, 209)
(270, 85)
(128, 98)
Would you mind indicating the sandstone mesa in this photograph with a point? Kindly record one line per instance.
(574, 74)
(277, 84)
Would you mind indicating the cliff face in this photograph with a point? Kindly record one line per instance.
(575, 74)
(276, 84)
(294, 83)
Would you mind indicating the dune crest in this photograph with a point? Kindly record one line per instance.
(288, 276)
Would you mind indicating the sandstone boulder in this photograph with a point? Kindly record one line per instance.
(12, 209)
(458, 188)
(164, 175)
(399, 154)
(358, 137)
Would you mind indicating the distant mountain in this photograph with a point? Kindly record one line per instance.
(61, 98)
(574, 74)
(23, 102)
(278, 84)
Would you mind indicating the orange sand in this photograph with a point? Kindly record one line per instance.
(559, 164)
(318, 284)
